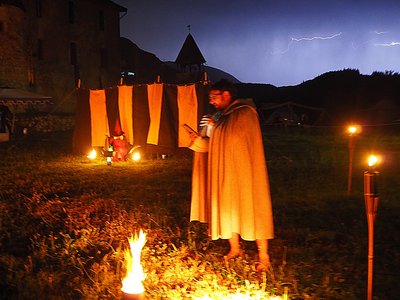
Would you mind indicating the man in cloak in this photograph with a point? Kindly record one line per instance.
(230, 185)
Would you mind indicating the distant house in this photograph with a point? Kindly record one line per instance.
(290, 114)
(48, 47)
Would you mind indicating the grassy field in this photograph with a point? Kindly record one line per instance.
(65, 222)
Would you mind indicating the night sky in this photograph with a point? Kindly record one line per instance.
(281, 42)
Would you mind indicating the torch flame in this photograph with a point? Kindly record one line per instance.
(354, 130)
(372, 160)
(132, 283)
(92, 154)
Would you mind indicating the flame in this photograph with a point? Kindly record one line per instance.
(92, 154)
(136, 156)
(372, 160)
(132, 283)
(354, 129)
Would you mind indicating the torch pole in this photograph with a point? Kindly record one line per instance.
(351, 152)
(371, 198)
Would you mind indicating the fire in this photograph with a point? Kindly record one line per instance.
(136, 156)
(354, 130)
(132, 283)
(92, 154)
(372, 160)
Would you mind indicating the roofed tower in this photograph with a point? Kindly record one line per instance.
(190, 61)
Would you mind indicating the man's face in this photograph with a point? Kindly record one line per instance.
(220, 100)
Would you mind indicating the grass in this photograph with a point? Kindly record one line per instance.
(64, 223)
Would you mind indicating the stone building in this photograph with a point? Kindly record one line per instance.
(50, 47)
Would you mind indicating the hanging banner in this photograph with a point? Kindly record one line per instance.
(151, 116)
(154, 94)
(98, 119)
(187, 112)
(125, 111)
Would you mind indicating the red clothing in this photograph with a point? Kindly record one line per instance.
(120, 146)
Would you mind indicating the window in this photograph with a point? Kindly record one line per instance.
(71, 12)
(39, 8)
(101, 20)
(73, 54)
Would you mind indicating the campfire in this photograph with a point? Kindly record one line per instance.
(132, 284)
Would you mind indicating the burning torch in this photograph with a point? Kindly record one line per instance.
(352, 131)
(371, 197)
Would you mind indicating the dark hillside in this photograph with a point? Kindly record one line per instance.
(259, 92)
(346, 95)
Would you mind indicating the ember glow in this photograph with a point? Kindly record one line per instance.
(92, 154)
(133, 281)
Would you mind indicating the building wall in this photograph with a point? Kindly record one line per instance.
(13, 56)
(58, 43)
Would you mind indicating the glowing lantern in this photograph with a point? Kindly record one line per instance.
(92, 154)
(135, 153)
(136, 156)
(109, 155)
(132, 283)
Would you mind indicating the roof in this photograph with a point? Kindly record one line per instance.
(190, 53)
(13, 96)
(120, 8)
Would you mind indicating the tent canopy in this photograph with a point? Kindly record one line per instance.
(11, 95)
(21, 101)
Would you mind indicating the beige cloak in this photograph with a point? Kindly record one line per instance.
(230, 185)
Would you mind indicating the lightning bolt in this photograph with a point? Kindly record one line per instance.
(379, 32)
(388, 44)
(316, 38)
(292, 40)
